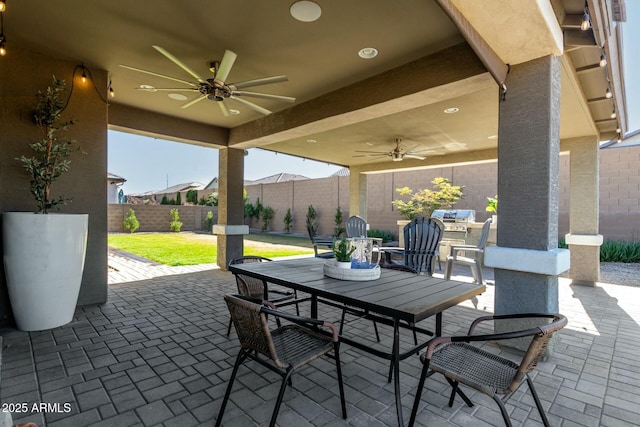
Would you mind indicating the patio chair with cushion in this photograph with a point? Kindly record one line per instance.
(356, 226)
(493, 375)
(252, 287)
(321, 242)
(283, 350)
(475, 262)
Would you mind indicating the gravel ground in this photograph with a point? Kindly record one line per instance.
(620, 273)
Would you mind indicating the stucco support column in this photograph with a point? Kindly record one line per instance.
(230, 228)
(583, 238)
(357, 192)
(526, 259)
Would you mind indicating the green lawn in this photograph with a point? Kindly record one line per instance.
(191, 248)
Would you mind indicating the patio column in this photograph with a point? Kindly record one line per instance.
(357, 192)
(526, 259)
(230, 228)
(583, 238)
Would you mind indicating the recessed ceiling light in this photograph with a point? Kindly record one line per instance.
(148, 88)
(305, 11)
(492, 137)
(177, 96)
(451, 110)
(311, 141)
(234, 111)
(368, 52)
(370, 144)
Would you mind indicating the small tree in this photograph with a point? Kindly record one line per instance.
(165, 200)
(288, 221)
(209, 220)
(131, 223)
(192, 196)
(424, 202)
(175, 224)
(178, 198)
(267, 215)
(312, 220)
(339, 229)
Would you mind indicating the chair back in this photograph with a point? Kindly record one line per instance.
(537, 347)
(484, 235)
(251, 326)
(247, 285)
(421, 239)
(399, 267)
(356, 226)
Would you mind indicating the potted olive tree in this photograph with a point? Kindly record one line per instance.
(44, 252)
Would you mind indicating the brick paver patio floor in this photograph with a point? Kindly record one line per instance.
(156, 354)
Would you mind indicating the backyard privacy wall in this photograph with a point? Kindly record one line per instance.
(619, 195)
(157, 217)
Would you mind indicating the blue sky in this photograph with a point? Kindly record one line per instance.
(150, 164)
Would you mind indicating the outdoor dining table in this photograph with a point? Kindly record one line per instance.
(401, 298)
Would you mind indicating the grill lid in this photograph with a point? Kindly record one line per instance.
(455, 215)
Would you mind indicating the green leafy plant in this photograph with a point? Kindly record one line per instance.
(131, 223)
(175, 225)
(178, 198)
(192, 196)
(312, 220)
(209, 220)
(424, 202)
(386, 236)
(53, 152)
(342, 251)
(338, 229)
(620, 251)
(267, 215)
(288, 221)
(492, 205)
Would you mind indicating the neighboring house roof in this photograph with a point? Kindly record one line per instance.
(115, 179)
(280, 177)
(180, 187)
(630, 140)
(341, 172)
(212, 185)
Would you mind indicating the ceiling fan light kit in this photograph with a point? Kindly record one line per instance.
(215, 88)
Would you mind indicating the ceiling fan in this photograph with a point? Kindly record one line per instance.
(397, 154)
(216, 88)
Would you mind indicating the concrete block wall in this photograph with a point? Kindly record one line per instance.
(158, 217)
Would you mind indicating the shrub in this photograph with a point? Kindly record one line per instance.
(386, 236)
(178, 198)
(424, 202)
(175, 224)
(267, 216)
(338, 229)
(209, 220)
(131, 223)
(288, 221)
(492, 205)
(612, 251)
(312, 220)
(192, 196)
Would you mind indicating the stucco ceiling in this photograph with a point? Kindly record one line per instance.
(321, 61)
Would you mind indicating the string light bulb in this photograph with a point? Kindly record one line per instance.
(112, 94)
(84, 76)
(3, 39)
(618, 130)
(586, 19)
(613, 114)
(3, 49)
(603, 60)
(608, 95)
(3, 5)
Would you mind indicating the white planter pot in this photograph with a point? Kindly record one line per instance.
(343, 264)
(43, 262)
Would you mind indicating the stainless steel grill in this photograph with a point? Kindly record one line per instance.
(455, 220)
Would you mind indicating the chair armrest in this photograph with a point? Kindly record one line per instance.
(481, 319)
(303, 321)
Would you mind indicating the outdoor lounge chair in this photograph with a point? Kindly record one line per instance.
(495, 376)
(356, 226)
(422, 238)
(252, 287)
(320, 241)
(282, 350)
(475, 262)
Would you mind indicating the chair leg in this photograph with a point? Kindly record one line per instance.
(459, 392)
(375, 328)
(447, 269)
(344, 312)
(536, 399)
(503, 411)
(416, 401)
(285, 380)
(479, 273)
(229, 328)
(336, 350)
(242, 355)
(295, 295)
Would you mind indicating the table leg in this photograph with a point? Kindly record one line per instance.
(314, 306)
(396, 369)
(439, 324)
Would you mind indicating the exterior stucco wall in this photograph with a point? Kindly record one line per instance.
(157, 217)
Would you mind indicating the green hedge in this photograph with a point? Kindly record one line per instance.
(614, 251)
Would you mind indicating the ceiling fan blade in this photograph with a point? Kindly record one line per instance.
(413, 156)
(225, 65)
(258, 82)
(266, 96)
(377, 152)
(179, 63)
(369, 155)
(158, 75)
(168, 89)
(223, 108)
(249, 104)
(195, 101)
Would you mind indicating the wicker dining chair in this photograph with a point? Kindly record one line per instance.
(493, 375)
(282, 350)
(253, 287)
